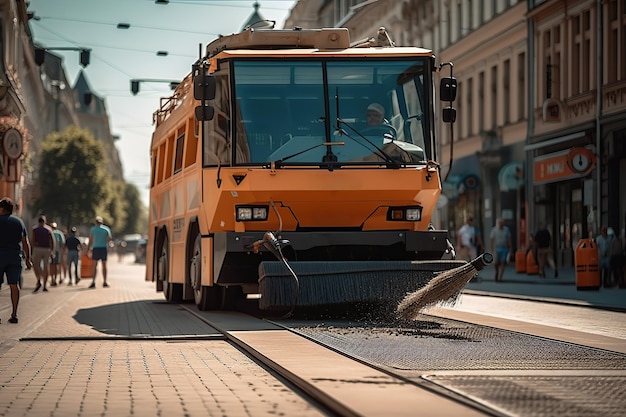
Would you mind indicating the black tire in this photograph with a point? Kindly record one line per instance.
(162, 261)
(173, 292)
(205, 297)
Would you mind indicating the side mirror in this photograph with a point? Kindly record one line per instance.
(448, 115)
(447, 89)
(204, 87)
(204, 113)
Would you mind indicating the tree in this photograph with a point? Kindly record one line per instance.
(136, 215)
(116, 206)
(73, 183)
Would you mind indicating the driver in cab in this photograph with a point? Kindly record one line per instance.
(375, 115)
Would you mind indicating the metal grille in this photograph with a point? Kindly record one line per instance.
(508, 372)
(543, 396)
(440, 344)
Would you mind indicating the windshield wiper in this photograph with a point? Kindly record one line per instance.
(391, 163)
(278, 163)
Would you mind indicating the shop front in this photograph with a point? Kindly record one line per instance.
(463, 190)
(563, 198)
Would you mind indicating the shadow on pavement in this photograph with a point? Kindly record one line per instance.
(144, 319)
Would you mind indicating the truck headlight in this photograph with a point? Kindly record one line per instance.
(251, 213)
(405, 214)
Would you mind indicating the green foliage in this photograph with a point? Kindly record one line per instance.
(136, 214)
(75, 186)
(115, 207)
(72, 177)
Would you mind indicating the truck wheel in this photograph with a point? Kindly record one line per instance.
(206, 298)
(172, 292)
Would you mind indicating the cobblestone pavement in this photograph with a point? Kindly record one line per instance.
(122, 351)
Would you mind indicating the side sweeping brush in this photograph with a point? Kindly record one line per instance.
(445, 286)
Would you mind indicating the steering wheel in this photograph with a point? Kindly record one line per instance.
(380, 130)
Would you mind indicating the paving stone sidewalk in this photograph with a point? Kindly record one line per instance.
(121, 351)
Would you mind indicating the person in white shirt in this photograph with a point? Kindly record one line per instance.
(466, 240)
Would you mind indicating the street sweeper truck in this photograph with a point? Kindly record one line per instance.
(298, 168)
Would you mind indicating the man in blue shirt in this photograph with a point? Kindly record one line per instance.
(99, 238)
(13, 244)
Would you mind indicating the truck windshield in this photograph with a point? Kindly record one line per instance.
(289, 110)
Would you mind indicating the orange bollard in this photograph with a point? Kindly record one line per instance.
(587, 265)
(520, 261)
(86, 266)
(532, 268)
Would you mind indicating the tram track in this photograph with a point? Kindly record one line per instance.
(481, 369)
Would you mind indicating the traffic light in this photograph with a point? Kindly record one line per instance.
(84, 57)
(134, 87)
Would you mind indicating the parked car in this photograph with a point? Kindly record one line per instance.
(131, 242)
(140, 251)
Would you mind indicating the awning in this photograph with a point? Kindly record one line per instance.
(511, 176)
(464, 176)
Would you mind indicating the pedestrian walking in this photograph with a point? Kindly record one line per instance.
(59, 248)
(73, 246)
(64, 262)
(615, 252)
(543, 242)
(466, 240)
(14, 245)
(43, 248)
(501, 242)
(99, 238)
(603, 241)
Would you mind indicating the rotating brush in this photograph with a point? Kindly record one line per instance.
(446, 286)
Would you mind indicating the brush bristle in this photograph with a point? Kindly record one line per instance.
(444, 287)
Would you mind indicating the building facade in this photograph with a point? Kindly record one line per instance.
(539, 138)
(36, 99)
(577, 146)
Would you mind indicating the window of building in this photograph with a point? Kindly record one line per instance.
(616, 41)
(506, 89)
(481, 12)
(481, 101)
(459, 20)
(470, 107)
(494, 97)
(581, 61)
(521, 86)
(448, 38)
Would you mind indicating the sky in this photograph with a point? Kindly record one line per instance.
(120, 55)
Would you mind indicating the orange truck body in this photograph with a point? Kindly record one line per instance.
(274, 143)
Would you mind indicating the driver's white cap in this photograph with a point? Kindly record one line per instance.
(378, 108)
